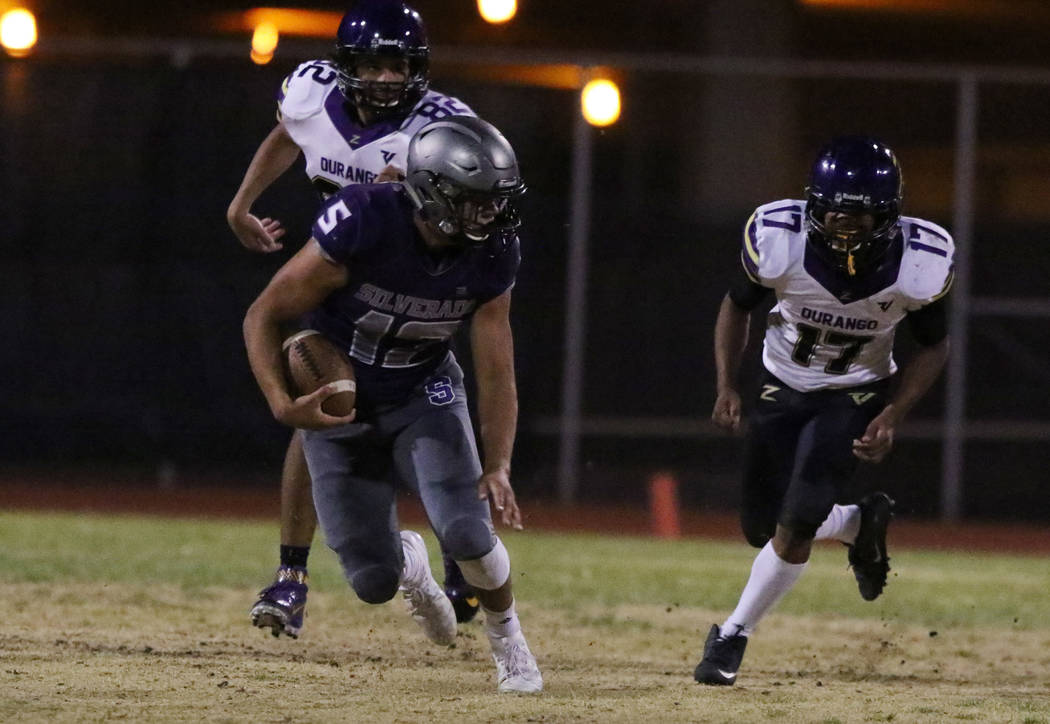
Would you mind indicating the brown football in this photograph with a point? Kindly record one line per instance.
(312, 360)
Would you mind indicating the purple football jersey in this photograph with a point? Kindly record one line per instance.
(397, 314)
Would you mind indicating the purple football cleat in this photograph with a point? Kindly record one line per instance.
(282, 605)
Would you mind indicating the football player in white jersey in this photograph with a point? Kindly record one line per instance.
(846, 269)
(352, 118)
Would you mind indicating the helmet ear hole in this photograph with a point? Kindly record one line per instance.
(447, 188)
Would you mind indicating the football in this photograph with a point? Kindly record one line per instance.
(312, 360)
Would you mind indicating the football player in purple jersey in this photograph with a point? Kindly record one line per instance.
(846, 268)
(390, 274)
(351, 118)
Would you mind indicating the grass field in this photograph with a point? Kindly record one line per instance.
(145, 619)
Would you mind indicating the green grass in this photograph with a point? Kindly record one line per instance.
(145, 619)
(564, 570)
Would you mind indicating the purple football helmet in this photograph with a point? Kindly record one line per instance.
(854, 175)
(382, 28)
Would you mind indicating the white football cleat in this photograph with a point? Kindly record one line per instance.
(516, 669)
(424, 599)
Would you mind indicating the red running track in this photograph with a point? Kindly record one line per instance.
(257, 498)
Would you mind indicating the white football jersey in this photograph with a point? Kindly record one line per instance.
(815, 340)
(339, 150)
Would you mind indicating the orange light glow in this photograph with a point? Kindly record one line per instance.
(288, 21)
(18, 32)
(497, 11)
(600, 102)
(562, 77)
(264, 39)
(264, 43)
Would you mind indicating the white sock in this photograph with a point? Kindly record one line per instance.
(502, 623)
(771, 577)
(413, 572)
(842, 524)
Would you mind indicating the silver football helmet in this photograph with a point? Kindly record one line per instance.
(462, 175)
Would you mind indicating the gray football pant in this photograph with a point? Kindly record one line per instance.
(426, 444)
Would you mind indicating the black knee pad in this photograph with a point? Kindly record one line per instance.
(758, 529)
(758, 539)
(375, 584)
(466, 538)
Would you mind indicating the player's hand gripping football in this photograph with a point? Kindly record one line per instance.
(495, 486)
(877, 440)
(305, 412)
(390, 174)
(257, 234)
(726, 413)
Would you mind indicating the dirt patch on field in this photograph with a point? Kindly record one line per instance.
(83, 652)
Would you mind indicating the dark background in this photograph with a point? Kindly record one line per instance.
(122, 290)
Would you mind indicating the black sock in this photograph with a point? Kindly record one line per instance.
(294, 555)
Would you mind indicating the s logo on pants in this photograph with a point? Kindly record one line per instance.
(439, 391)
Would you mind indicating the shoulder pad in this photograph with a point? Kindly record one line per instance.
(432, 107)
(772, 240)
(338, 226)
(359, 218)
(304, 91)
(927, 268)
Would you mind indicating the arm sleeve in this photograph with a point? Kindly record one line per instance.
(745, 289)
(502, 270)
(745, 292)
(929, 324)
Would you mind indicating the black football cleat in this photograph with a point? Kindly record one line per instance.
(464, 598)
(722, 657)
(867, 555)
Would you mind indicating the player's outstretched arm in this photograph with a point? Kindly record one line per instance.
(298, 287)
(731, 329)
(492, 343)
(275, 155)
(916, 379)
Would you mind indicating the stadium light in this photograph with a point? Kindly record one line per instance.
(18, 32)
(600, 102)
(497, 11)
(264, 43)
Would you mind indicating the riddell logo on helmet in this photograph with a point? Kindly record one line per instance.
(854, 198)
(388, 43)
